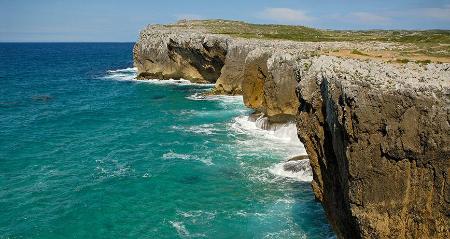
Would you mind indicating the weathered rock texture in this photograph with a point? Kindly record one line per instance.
(378, 138)
(164, 55)
(377, 134)
(178, 51)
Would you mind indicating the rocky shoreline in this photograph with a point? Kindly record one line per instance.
(377, 133)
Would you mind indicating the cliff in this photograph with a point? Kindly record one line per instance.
(376, 131)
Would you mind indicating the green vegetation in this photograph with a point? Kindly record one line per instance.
(302, 33)
(403, 61)
(358, 53)
(424, 62)
(306, 65)
(429, 42)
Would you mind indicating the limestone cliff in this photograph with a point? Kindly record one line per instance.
(377, 133)
(164, 54)
(378, 138)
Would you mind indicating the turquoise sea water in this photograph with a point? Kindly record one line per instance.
(86, 152)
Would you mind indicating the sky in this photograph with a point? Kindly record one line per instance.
(121, 21)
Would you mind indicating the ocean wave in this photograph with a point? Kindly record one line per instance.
(207, 129)
(224, 98)
(126, 74)
(172, 155)
(298, 170)
(281, 133)
(181, 82)
(125, 70)
(281, 138)
(120, 76)
(130, 74)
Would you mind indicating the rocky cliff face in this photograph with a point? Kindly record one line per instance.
(164, 54)
(378, 138)
(377, 133)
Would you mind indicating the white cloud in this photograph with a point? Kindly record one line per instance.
(370, 18)
(286, 15)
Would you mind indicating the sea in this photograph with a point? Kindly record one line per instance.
(88, 151)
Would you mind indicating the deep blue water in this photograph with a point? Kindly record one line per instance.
(86, 152)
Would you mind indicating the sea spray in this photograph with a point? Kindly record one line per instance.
(264, 133)
(282, 136)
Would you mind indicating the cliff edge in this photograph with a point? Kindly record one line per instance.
(376, 129)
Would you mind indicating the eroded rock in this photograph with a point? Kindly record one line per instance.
(377, 134)
(163, 54)
(378, 138)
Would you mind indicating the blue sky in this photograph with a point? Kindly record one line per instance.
(111, 20)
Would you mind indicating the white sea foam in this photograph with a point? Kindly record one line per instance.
(126, 70)
(281, 133)
(285, 201)
(181, 82)
(276, 137)
(120, 76)
(224, 98)
(197, 216)
(130, 74)
(183, 232)
(298, 170)
(281, 137)
(172, 155)
(180, 228)
(207, 129)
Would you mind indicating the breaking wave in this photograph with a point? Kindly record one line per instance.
(299, 170)
(260, 127)
(130, 74)
(125, 70)
(264, 135)
(233, 99)
(277, 137)
(207, 129)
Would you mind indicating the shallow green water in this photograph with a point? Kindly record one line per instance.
(85, 153)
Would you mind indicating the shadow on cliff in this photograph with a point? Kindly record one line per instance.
(308, 213)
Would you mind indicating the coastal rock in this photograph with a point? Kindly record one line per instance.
(377, 134)
(295, 166)
(232, 75)
(255, 75)
(167, 55)
(378, 140)
(269, 83)
(279, 88)
(299, 157)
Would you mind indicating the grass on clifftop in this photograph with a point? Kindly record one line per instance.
(428, 42)
(302, 33)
